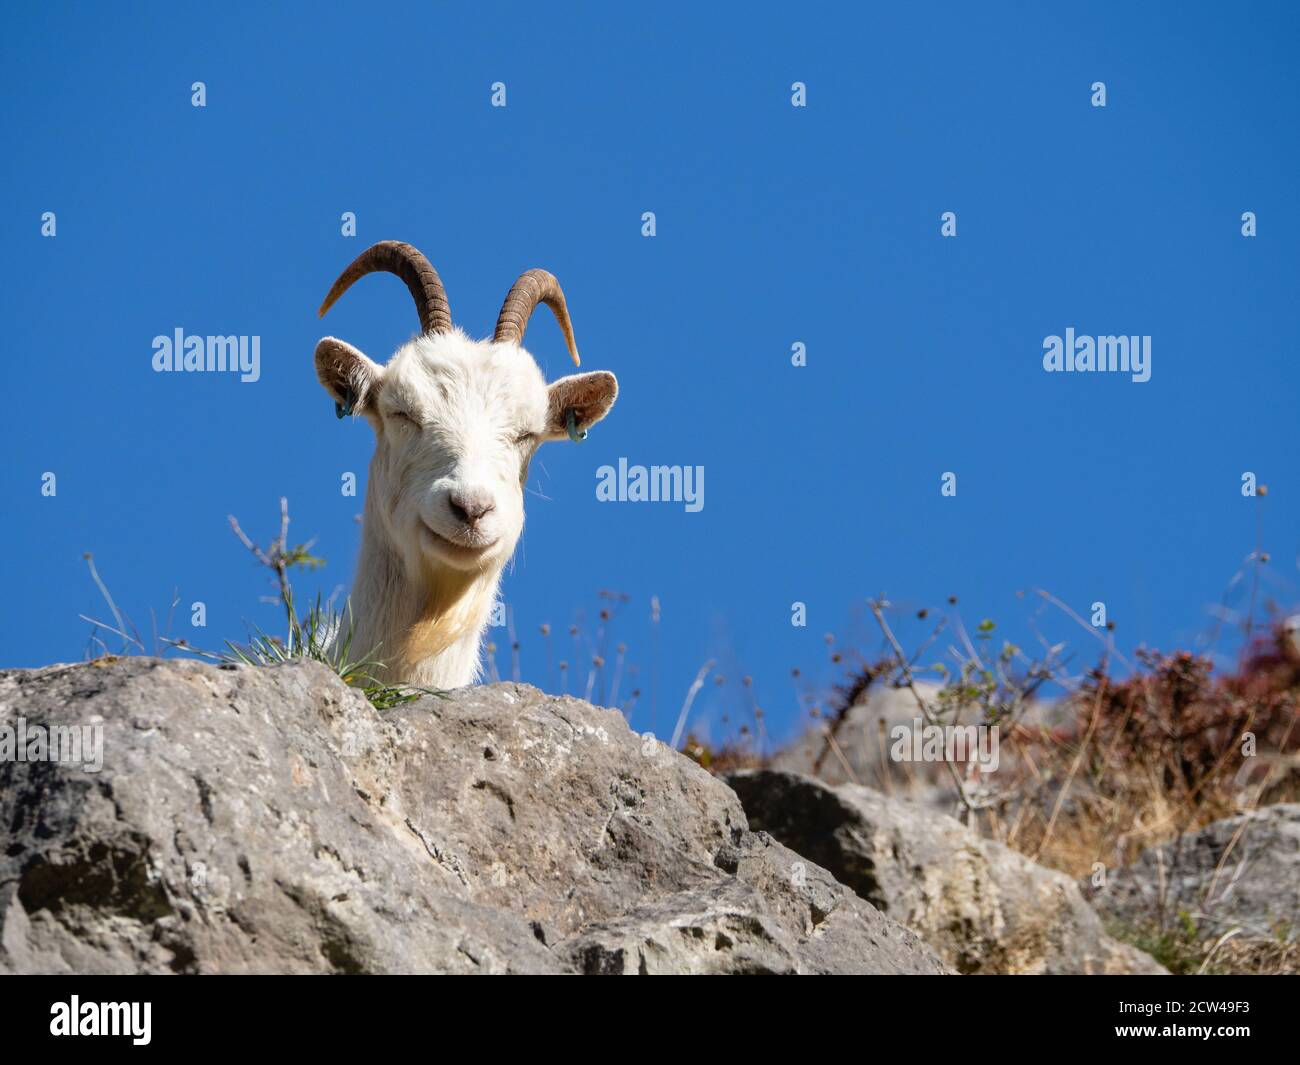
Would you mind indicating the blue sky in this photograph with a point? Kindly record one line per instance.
(775, 224)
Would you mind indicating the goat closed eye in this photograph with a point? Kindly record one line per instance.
(401, 416)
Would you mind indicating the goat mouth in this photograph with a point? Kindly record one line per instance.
(451, 549)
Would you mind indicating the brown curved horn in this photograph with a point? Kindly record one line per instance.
(532, 288)
(422, 280)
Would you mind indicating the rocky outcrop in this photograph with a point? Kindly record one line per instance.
(861, 743)
(984, 907)
(855, 749)
(1241, 872)
(270, 820)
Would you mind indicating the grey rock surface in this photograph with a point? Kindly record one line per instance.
(984, 907)
(860, 753)
(862, 741)
(270, 820)
(1242, 872)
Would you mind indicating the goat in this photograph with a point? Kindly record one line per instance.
(456, 424)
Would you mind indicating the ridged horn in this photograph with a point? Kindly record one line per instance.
(422, 280)
(532, 288)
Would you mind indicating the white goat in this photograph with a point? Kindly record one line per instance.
(456, 423)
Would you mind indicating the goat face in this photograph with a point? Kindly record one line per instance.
(456, 420)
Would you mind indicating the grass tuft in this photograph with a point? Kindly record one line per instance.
(322, 635)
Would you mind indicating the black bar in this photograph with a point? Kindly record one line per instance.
(1149, 1014)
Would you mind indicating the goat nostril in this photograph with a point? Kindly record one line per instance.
(468, 508)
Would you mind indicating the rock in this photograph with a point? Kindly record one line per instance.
(984, 907)
(270, 820)
(1241, 872)
(863, 737)
(860, 738)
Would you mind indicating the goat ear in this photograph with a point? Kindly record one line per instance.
(347, 375)
(588, 395)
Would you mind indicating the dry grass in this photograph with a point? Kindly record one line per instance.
(1164, 752)
(1128, 764)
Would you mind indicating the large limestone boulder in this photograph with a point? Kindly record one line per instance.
(863, 737)
(271, 820)
(984, 907)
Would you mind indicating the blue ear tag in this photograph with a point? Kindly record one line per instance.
(345, 408)
(571, 423)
